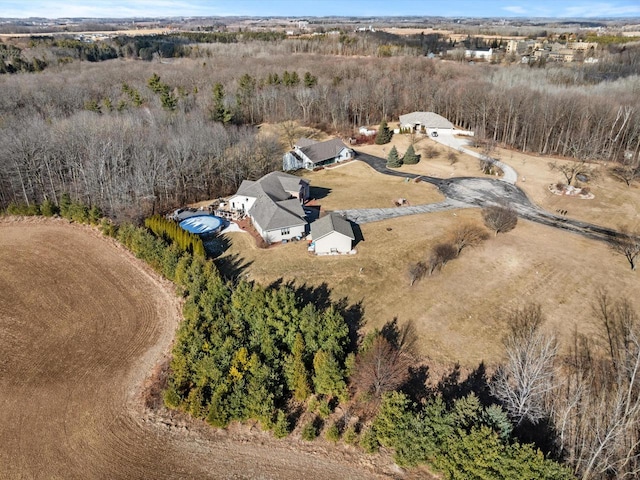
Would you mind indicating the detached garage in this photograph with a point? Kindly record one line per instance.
(332, 234)
(425, 122)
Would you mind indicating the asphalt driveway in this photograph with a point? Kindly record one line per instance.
(473, 192)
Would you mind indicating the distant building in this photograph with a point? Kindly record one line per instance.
(427, 122)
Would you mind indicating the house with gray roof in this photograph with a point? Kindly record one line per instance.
(274, 205)
(311, 154)
(428, 122)
(332, 234)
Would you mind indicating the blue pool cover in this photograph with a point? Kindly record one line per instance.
(202, 224)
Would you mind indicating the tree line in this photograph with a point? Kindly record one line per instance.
(103, 133)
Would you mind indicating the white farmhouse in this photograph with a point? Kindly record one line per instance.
(274, 205)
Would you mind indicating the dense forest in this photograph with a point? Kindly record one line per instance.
(135, 137)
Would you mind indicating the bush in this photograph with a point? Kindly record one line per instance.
(333, 434)
(325, 409)
(499, 219)
(312, 406)
(350, 436)
(281, 426)
(369, 441)
(309, 432)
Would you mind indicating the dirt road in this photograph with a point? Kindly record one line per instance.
(81, 325)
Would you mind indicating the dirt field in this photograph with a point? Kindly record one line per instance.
(81, 325)
(460, 311)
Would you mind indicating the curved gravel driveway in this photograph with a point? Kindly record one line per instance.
(469, 192)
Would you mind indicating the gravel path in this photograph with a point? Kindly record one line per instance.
(468, 192)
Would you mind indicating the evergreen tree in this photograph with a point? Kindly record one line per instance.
(48, 208)
(410, 156)
(309, 80)
(384, 134)
(393, 160)
(219, 112)
(65, 205)
(297, 371)
(328, 378)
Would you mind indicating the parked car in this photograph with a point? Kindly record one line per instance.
(434, 134)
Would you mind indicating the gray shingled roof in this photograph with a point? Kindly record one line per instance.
(321, 151)
(272, 215)
(426, 119)
(274, 208)
(331, 223)
(305, 142)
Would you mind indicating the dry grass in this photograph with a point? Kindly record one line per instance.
(356, 185)
(614, 204)
(439, 166)
(460, 311)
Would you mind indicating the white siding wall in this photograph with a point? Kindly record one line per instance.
(273, 236)
(345, 154)
(334, 240)
(241, 202)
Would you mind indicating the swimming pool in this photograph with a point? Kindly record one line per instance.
(202, 224)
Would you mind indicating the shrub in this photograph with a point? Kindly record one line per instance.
(325, 409)
(281, 426)
(333, 434)
(309, 432)
(369, 441)
(350, 436)
(312, 406)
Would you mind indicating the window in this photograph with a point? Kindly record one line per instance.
(284, 231)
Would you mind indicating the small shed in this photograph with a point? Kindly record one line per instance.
(332, 234)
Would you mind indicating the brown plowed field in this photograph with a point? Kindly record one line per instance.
(82, 324)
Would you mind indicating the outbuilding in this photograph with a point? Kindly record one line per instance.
(425, 122)
(332, 234)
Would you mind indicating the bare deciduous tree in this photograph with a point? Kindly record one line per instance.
(570, 170)
(526, 378)
(627, 173)
(499, 219)
(467, 235)
(440, 255)
(416, 272)
(628, 245)
(598, 411)
(381, 368)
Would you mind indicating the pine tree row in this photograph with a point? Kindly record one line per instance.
(172, 233)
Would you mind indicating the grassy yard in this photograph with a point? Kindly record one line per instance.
(356, 185)
(460, 312)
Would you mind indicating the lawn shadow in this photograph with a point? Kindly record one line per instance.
(452, 387)
(357, 233)
(318, 193)
(232, 267)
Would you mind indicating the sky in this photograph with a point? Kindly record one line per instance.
(317, 8)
